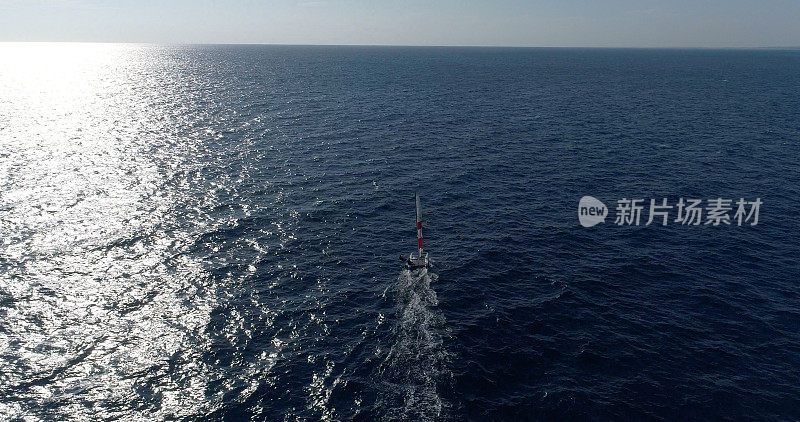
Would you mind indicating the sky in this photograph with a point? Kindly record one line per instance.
(557, 23)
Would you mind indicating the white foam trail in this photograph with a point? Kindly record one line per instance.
(417, 360)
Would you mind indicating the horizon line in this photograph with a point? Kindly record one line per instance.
(677, 47)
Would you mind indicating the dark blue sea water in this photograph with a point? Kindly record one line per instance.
(212, 232)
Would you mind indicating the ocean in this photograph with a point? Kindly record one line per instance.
(212, 233)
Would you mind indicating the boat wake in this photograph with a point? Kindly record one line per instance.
(416, 363)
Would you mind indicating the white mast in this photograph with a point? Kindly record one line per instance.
(419, 224)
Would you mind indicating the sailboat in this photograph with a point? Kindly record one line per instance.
(420, 260)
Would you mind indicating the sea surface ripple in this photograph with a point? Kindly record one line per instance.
(211, 232)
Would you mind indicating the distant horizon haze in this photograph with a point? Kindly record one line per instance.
(266, 44)
(506, 23)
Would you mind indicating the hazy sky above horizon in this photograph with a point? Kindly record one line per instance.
(610, 23)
